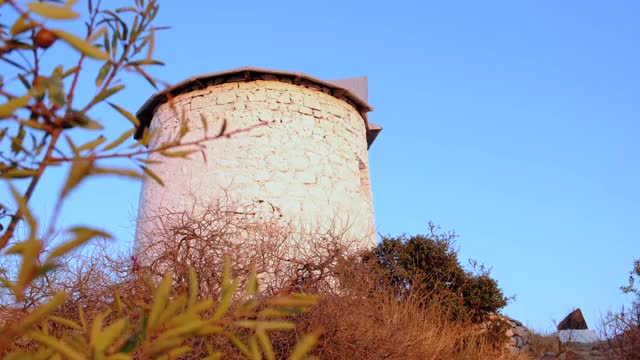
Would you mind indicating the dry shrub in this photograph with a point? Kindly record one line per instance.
(363, 321)
(360, 316)
(622, 332)
(285, 256)
(540, 343)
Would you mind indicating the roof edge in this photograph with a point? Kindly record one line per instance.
(242, 74)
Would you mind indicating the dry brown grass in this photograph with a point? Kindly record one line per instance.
(540, 343)
(363, 322)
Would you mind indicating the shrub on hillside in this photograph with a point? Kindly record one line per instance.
(622, 328)
(429, 265)
(362, 322)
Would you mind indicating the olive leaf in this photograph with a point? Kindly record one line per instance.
(81, 45)
(51, 11)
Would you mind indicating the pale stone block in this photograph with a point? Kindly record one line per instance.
(273, 105)
(305, 110)
(284, 98)
(312, 102)
(226, 98)
(259, 95)
(306, 122)
(306, 178)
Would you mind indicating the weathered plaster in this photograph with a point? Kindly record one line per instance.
(305, 163)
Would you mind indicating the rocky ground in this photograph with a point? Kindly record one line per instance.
(578, 351)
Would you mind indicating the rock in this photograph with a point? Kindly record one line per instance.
(573, 321)
(521, 331)
(578, 336)
(516, 322)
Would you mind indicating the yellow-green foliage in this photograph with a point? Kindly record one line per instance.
(165, 325)
(38, 109)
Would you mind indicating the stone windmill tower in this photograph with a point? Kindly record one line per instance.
(302, 159)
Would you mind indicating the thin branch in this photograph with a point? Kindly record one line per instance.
(129, 155)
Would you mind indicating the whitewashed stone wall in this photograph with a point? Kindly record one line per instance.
(303, 158)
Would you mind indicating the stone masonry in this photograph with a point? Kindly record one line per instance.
(299, 155)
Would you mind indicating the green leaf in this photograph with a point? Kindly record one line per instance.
(81, 236)
(146, 76)
(30, 251)
(126, 114)
(117, 171)
(72, 146)
(80, 168)
(118, 302)
(81, 45)
(265, 344)
(105, 94)
(16, 142)
(78, 118)
(193, 287)
(70, 3)
(107, 45)
(56, 344)
(66, 322)
(18, 173)
(56, 87)
(228, 289)
(133, 341)
(152, 175)
(24, 81)
(278, 313)
(177, 154)
(201, 306)
(304, 346)
(268, 325)
(51, 11)
(71, 71)
(122, 138)
(293, 300)
(41, 312)
(97, 34)
(239, 344)
(21, 25)
(34, 125)
(92, 144)
(146, 62)
(188, 328)
(102, 74)
(24, 209)
(160, 299)
(9, 108)
(162, 347)
(254, 348)
(96, 325)
(110, 333)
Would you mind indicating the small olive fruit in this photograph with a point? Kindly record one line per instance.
(44, 38)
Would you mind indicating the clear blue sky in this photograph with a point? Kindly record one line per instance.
(516, 123)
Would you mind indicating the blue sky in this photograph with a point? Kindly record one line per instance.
(516, 123)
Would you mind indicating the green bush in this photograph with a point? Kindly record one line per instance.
(429, 265)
